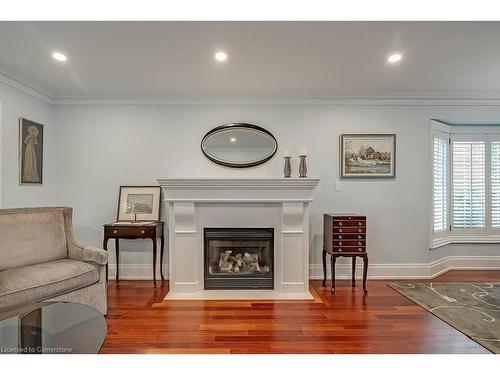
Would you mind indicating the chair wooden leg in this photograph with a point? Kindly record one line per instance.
(354, 271)
(365, 271)
(333, 260)
(324, 268)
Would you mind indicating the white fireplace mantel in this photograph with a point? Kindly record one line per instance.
(197, 203)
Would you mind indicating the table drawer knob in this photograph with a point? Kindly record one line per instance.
(142, 231)
(115, 231)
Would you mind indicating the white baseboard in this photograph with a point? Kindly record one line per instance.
(410, 270)
(376, 271)
(136, 272)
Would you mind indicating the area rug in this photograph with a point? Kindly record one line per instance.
(471, 308)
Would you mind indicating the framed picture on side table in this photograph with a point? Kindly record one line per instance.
(139, 203)
(367, 156)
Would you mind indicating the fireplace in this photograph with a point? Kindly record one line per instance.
(198, 203)
(239, 258)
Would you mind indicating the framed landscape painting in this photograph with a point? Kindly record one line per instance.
(367, 156)
(30, 152)
(139, 203)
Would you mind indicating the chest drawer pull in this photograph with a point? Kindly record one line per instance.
(359, 237)
(360, 223)
(340, 223)
(360, 249)
(359, 230)
(340, 237)
(359, 243)
(340, 230)
(115, 231)
(142, 231)
(340, 250)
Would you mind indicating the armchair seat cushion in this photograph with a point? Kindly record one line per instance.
(38, 282)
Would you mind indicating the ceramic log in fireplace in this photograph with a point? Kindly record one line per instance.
(238, 258)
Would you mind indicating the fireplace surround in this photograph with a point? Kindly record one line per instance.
(198, 203)
(238, 258)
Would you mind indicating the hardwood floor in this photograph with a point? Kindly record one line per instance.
(382, 321)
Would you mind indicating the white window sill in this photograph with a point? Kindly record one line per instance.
(443, 241)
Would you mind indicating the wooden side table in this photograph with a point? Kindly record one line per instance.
(344, 235)
(131, 231)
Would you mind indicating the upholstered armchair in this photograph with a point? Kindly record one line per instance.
(42, 260)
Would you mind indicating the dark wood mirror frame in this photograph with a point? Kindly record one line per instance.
(240, 125)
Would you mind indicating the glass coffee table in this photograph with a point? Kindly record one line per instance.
(52, 328)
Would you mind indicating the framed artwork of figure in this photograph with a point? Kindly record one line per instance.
(30, 152)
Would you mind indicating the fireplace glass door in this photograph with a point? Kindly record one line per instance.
(239, 258)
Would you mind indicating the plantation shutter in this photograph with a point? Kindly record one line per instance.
(495, 183)
(469, 183)
(440, 183)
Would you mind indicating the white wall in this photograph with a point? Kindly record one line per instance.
(15, 104)
(100, 147)
(91, 150)
(1, 148)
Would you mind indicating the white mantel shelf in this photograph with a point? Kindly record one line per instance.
(238, 189)
(198, 203)
(239, 182)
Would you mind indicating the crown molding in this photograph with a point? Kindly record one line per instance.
(26, 87)
(277, 98)
(444, 98)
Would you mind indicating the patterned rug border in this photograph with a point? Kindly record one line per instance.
(392, 284)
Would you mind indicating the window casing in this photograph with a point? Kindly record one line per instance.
(440, 182)
(465, 184)
(468, 183)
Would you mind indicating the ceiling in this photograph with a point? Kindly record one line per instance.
(333, 58)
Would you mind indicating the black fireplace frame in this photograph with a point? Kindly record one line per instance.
(236, 234)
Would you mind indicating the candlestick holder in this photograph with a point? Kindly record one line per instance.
(302, 166)
(288, 167)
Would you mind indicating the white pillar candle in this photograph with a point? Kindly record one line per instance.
(286, 154)
(303, 152)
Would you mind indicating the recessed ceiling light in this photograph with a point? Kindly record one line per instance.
(59, 56)
(233, 139)
(394, 58)
(220, 56)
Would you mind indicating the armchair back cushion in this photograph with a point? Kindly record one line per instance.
(31, 237)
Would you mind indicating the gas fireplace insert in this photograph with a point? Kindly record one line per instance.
(239, 258)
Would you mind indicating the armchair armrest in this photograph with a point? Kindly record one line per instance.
(95, 255)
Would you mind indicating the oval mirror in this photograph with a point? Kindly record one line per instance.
(239, 145)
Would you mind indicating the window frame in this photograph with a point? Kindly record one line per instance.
(488, 133)
(445, 137)
(492, 137)
(461, 137)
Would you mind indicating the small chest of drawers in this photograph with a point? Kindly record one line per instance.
(344, 235)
